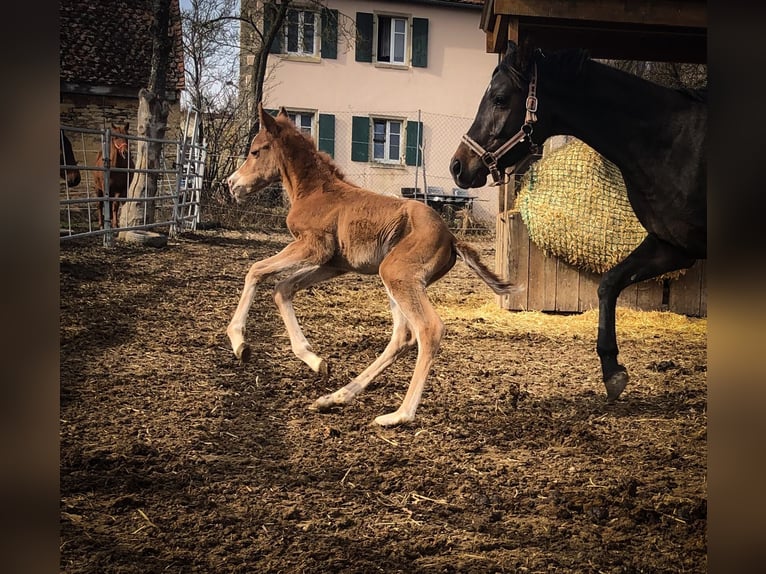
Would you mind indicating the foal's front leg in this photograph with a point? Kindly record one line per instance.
(296, 255)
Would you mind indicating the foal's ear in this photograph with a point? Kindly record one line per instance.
(282, 112)
(265, 120)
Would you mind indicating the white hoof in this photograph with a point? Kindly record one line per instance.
(392, 419)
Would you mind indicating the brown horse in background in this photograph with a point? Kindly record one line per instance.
(68, 170)
(119, 181)
(339, 227)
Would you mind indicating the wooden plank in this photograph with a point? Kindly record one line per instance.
(684, 13)
(501, 253)
(518, 259)
(504, 27)
(628, 297)
(541, 293)
(685, 292)
(588, 290)
(649, 295)
(567, 287)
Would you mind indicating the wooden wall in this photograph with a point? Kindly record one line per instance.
(553, 285)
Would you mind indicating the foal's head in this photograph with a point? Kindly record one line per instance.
(261, 167)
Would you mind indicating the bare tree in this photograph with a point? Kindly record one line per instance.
(226, 52)
(669, 74)
(211, 52)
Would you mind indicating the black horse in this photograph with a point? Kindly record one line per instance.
(656, 136)
(68, 162)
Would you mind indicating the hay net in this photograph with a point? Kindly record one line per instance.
(575, 206)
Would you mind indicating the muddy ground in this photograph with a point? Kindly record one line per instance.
(176, 458)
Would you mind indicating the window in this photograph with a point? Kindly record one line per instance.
(386, 39)
(301, 33)
(386, 140)
(305, 33)
(392, 39)
(304, 121)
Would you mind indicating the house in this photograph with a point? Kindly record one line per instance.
(385, 87)
(105, 51)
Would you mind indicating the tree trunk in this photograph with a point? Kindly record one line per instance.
(152, 123)
(153, 110)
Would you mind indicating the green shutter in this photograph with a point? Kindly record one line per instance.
(420, 42)
(413, 155)
(269, 17)
(326, 139)
(272, 113)
(329, 48)
(360, 138)
(363, 52)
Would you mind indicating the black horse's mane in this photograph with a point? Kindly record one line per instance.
(571, 62)
(322, 158)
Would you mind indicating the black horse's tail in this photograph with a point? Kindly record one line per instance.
(471, 258)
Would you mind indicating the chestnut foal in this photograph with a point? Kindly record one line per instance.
(339, 227)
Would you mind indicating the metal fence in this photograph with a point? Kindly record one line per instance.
(175, 206)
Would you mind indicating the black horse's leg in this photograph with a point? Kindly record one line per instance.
(651, 258)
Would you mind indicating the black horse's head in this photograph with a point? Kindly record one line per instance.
(501, 133)
(68, 161)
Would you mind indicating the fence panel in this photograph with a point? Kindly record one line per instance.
(179, 180)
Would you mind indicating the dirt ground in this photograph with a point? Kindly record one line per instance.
(176, 458)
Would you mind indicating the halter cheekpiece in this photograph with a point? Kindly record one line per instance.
(490, 158)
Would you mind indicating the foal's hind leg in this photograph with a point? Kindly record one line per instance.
(410, 294)
(283, 297)
(402, 339)
(651, 258)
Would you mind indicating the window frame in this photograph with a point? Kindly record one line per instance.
(316, 46)
(386, 159)
(392, 17)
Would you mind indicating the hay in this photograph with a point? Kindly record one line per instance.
(575, 206)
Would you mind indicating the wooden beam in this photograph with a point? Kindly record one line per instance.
(687, 13)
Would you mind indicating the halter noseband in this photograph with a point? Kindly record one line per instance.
(490, 158)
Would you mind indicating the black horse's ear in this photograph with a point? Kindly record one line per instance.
(511, 49)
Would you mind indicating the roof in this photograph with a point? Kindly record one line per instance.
(474, 4)
(671, 30)
(105, 46)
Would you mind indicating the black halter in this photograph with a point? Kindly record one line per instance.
(490, 158)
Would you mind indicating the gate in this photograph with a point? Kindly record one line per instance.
(176, 205)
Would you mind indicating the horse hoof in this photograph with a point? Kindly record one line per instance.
(323, 403)
(393, 419)
(615, 385)
(243, 352)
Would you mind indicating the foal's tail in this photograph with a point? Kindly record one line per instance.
(471, 258)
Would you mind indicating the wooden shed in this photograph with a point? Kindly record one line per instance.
(670, 31)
